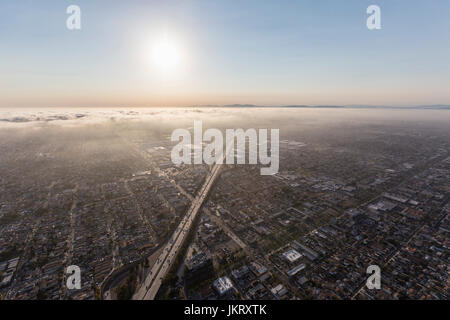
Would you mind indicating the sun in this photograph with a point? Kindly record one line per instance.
(166, 55)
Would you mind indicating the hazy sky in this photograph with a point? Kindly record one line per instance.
(229, 51)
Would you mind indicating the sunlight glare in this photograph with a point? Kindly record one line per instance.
(166, 55)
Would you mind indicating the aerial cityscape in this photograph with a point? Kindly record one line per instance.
(98, 190)
(216, 158)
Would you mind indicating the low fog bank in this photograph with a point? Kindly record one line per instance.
(222, 117)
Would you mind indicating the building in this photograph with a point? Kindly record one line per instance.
(223, 286)
(239, 273)
(279, 291)
(296, 270)
(308, 252)
(292, 255)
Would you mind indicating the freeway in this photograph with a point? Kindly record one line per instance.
(154, 278)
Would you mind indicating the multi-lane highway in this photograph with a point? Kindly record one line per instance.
(154, 278)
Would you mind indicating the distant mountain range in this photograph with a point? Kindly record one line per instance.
(434, 107)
